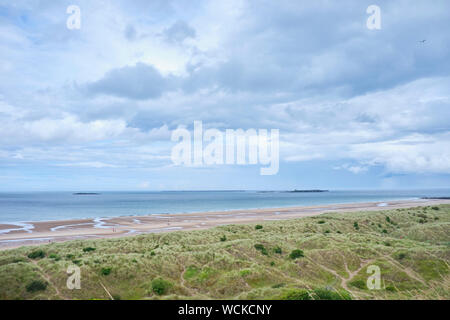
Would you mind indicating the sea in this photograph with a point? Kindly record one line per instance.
(46, 206)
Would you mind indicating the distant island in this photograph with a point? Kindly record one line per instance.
(309, 190)
(436, 198)
(85, 194)
(294, 191)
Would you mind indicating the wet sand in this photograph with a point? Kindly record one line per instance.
(14, 235)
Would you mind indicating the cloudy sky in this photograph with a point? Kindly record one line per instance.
(93, 109)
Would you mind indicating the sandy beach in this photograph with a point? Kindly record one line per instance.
(14, 235)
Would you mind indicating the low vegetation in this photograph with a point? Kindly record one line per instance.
(106, 271)
(297, 253)
(37, 254)
(36, 285)
(328, 257)
(160, 286)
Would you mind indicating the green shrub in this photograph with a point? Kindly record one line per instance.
(37, 254)
(54, 256)
(297, 253)
(391, 289)
(258, 246)
(258, 227)
(160, 286)
(435, 208)
(261, 248)
(223, 238)
(88, 249)
(296, 294)
(245, 272)
(360, 284)
(326, 294)
(277, 250)
(327, 231)
(384, 231)
(401, 255)
(106, 271)
(152, 253)
(36, 285)
(356, 225)
(388, 219)
(321, 222)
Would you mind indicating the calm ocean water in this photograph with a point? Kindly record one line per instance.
(39, 206)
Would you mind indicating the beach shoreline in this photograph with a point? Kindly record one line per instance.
(13, 235)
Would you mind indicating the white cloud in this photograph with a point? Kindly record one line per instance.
(416, 153)
(351, 168)
(66, 129)
(95, 164)
(405, 129)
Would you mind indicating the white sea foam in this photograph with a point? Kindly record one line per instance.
(21, 240)
(69, 225)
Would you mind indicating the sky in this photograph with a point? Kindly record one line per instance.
(94, 108)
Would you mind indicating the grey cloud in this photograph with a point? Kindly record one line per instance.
(178, 32)
(130, 33)
(297, 46)
(137, 82)
(304, 49)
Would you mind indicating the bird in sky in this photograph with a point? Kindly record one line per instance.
(422, 41)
